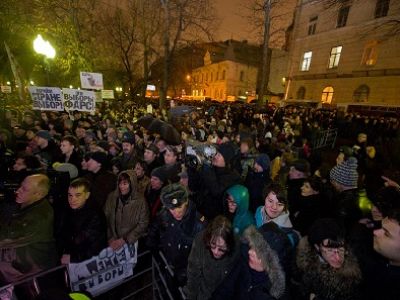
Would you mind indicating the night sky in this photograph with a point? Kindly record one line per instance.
(232, 25)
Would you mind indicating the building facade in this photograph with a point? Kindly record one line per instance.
(345, 52)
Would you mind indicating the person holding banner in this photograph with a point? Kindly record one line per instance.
(126, 211)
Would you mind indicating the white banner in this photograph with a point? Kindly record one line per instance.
(91, 81)
(79, 100)
(46, 98)
(107, 94)
(103, 272)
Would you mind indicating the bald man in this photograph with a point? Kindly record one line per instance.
(26, 237)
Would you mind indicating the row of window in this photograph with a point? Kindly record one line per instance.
(204, 77)
(217, 93)
(368, 59)
(381, 10)
(360, 94)
(200, 78)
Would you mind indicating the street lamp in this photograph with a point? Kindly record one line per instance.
(45, 48)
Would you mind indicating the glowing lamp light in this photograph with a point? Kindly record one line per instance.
(43, 47)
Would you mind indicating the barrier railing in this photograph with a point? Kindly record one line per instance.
(326, 138)
(162, 281)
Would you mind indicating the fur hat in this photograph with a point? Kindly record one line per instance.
(44, 134)
(160, 173)
(346, 173)
(263, 161)
(174, 195)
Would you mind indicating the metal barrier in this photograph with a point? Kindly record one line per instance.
(161, 282)
(326, 138)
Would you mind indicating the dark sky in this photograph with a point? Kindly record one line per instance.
(232, 25)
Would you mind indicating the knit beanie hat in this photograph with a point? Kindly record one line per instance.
(99, 156)
(159, 173)
(263, 161)
(174, 195)
(346, 173)
(227, 151)
(44, 134)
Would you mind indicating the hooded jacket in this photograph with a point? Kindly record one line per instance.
(243, 283)
(129, 219)
(319, 278)
(242, 217)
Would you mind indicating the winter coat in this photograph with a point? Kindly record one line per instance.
(208, 187)
(83, 233)
(247, 162)
(294, 193)
(174, 238)
(318, 277)
(142, 184)
(49, 154)
(26, 241)
(75, 159)
(283, 221)
(102, 183)
(204, 272)
(309, 211)
(347, 209)
(127, 219)
(255, 183)
(243, 283)
(128, 161)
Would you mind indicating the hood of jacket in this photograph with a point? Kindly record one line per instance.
(270, 260)
(133, 184)
(320, 274)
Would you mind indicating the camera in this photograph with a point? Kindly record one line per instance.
(199, 154)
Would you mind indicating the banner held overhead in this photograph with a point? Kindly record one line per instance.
(91, 81)
(46, 98)
(79, 100)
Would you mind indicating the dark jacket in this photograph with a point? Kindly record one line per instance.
(128, 161)
(208, 187)
(27, 237)
(309, 210)
(127, 219)
(206, 273)
(83, 233)
(75, 159)
(102, 183)
(246, 284)
(174, 238)
(347, 209)
(315, 276)
(49, 154)
(255, 183)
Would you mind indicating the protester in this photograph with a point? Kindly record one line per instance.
(126, 211)
(26, 234)
(175, 228)
(129, 156)
(150, 157)
(152, 193)
(326, 267)
(214, 253)
(83, 232)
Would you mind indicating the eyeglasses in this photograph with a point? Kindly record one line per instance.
(217, 248)
(331, 251)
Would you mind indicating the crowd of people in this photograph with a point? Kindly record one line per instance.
(241, 205)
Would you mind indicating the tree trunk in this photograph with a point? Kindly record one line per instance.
(266, 59)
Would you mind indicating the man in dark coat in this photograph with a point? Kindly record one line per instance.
(26, 235)
(48, 150)
(175, 228)
(210, 183)
(150, 157)
(129, 156)
(83, 233)
(101, 180)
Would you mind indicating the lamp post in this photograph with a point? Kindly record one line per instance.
(44, 47)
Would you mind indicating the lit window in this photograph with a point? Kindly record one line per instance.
(211, 76)
(334, 57)
(301, 93)
(223, 75)
(382, 8)
(370, 54)
(361, 93)
(342, 16)
(305, 64)
(216, 77)
(327, 95)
